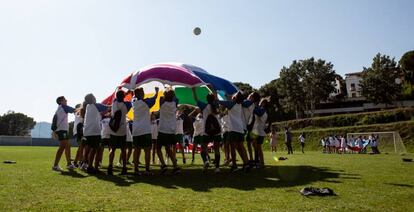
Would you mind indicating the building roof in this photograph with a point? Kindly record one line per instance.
(353, 74)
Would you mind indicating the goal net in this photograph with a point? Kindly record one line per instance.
(387, 141)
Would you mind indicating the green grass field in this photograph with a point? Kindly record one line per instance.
(361, 182)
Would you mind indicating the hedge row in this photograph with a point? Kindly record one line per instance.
(380, 117)
(313, 137)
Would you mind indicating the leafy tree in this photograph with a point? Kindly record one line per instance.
(318, 81)
(245, 87)
(379, 81)
(407, 66)
(16, 124)
(291, 87)
(306, 83)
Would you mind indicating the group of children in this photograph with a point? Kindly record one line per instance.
(225, 124)
(339, 144)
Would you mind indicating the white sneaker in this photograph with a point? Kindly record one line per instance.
(84, 167)
(71, 167)
(217, 170)
(56, 168)
(119, 164)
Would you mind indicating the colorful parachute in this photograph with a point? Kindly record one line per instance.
(181, 77)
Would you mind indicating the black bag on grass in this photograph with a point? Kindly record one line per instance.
(311, 191)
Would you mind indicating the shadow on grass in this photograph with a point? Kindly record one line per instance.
(400, 185)
(269, 177)
(73, 173)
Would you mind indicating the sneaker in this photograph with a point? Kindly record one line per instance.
(148, 173)
(247, 167)
(206, 165)
(163, 169)
(183, 160)
(217, 170)
(176, 170)
(84, 167)
(124, 171)
(91, 170)
(110, 171)
(234, 169)
(56, 168)
(71, 167)
(137, 173)
(119, 164)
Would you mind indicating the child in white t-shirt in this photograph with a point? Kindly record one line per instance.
(179, 135)
(273, 140)
(167, 128)
(198, 125)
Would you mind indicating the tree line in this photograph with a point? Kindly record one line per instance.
(16, 124)
(305, 84)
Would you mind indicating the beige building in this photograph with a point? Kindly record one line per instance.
(353, 88)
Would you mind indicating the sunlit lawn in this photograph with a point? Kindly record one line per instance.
(361, 182)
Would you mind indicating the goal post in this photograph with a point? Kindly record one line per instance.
(389, 141)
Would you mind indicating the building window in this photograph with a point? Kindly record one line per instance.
(352, 86)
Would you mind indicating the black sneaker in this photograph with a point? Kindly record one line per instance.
(91, 170)
(183, 160)
(206, 165)
(148, 173)
(110, 171)
(176, 170)
(136, 172)
(163, 169)
(124, 171)
(233, 169)
(247, 167)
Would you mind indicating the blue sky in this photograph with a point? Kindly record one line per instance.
(71, 48)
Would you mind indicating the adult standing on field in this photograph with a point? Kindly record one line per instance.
(302, 142)
(288, 140)
(60, 126)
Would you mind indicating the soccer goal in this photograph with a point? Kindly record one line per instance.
(387, 141)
